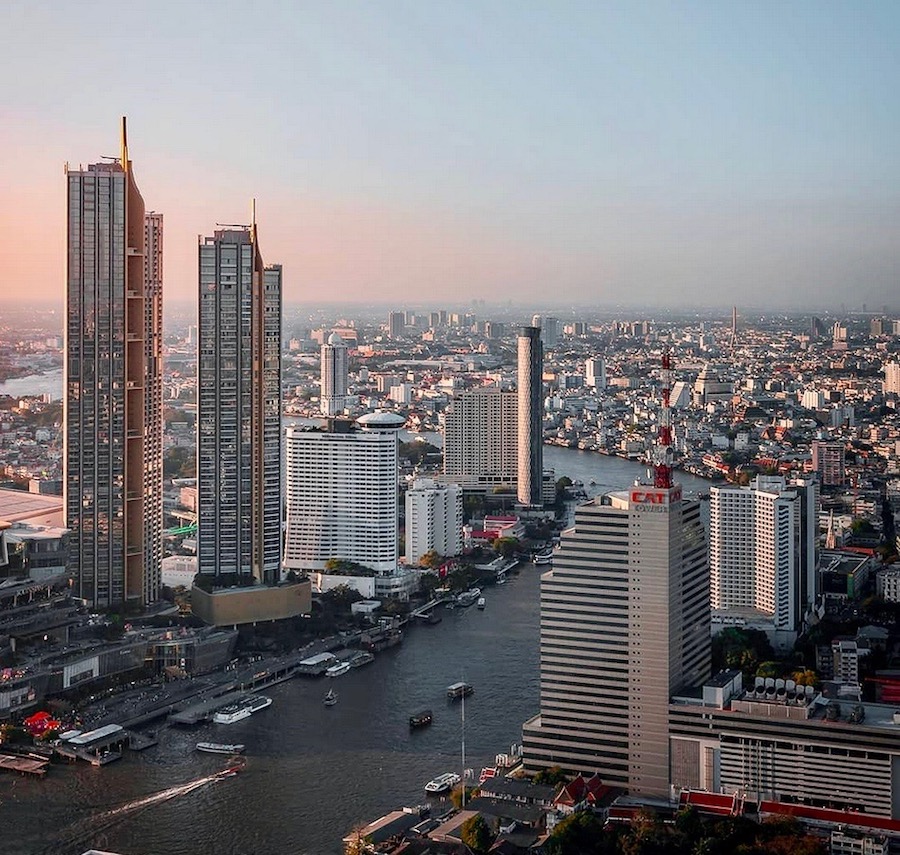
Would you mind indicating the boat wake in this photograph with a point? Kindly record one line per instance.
(85, 830)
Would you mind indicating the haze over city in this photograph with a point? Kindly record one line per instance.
(655, 153)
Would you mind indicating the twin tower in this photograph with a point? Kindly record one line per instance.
(113, 395)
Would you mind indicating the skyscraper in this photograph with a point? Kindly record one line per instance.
(239, 492)
(624, 625)
(480, 438)
(530, 433)
(333, 395)
(396, 324)
(342, 499)
(113, 385)
(595, 372)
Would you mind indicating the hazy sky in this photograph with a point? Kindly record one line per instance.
(680, 153)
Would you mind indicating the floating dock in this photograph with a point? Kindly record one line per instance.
(23, 765)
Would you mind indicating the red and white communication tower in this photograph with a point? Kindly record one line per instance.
(662, 469)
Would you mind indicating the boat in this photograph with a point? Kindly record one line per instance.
(361, 658)
(420, 719)
(481, 603)
(468, 598)
(337, 670)
(242, 709)
(459, 690)
(543, 557)
(331, 698)
(442, 783)
(219, 748)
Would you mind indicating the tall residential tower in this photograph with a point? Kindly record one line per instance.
(530, 433)
(333, 390)
(113, 385)
(239, 492)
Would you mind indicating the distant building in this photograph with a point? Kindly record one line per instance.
(342, 497)
(892, 378)
(531, 415)
(828, 461)
(480, 438)
(887, 583)
(396, 324)
(113, 386)
(335, 367)
(595, 372)
(624, 625)
(434, 518)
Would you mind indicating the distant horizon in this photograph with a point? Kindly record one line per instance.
(650, 154)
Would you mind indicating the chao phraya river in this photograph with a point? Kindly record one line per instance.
(313, 772)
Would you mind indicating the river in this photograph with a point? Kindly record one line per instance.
(314, 772)
(50, 382)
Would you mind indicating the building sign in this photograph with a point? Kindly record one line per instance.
(651, 498)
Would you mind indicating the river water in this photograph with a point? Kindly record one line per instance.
(314, 772)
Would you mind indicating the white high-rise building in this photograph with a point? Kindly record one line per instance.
(480, 438)
(335, 363)
(342, 497)
(595, 372)
(434, 519)
(624, 626)
(759, 551)
(892, 378)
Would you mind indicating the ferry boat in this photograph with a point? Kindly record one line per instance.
(361, 658)
(242, 709)
(543, 557)
(459, 690)
(420, 719)
(331, 698)
(442, 783)
(337, 670)
(219, 748)
(468, 598)
(481, 603)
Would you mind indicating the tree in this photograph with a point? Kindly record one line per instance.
(551, 776)
(476, 834)
(767, 669)
(506, 546)
(431, 559)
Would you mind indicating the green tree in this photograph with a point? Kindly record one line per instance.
(551, 776)
(506, 546)
(476, 834)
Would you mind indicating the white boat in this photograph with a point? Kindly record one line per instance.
(481, 603)
(442, 783)
(331, 698)
(337, 670)
(459, 690)
(219, 748)
(543, 557)
(242, 709)
(468, 598)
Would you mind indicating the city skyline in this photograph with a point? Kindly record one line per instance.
(653, 154)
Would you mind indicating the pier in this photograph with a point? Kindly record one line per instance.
(24, 765)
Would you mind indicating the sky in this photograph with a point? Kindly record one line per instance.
(656, 153)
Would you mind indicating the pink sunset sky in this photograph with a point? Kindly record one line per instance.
(678, 154)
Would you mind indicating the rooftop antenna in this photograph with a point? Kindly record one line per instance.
(124, 156)
(662, 468)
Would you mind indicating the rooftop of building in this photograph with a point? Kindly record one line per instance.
(35, 508)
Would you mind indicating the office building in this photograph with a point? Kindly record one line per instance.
(342, 499)
(786, 743)
(434, 519)
(396, 324)
(113, 386)
(762, 555)
(531, 410)
(828, 461)
(335, 368)
(239, 489)
(624, 625)
(595, 373)
(481, 440)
